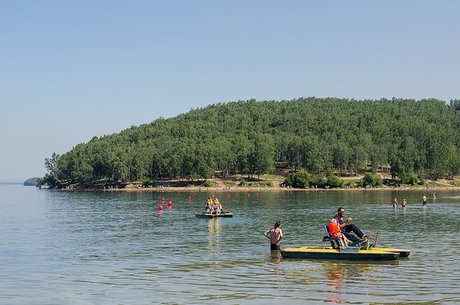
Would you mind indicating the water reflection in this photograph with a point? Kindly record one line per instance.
(118, 244)
(338, 273)
(274, 259)
(340, 276)
(214, 233)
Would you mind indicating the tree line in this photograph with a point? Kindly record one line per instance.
(410, 137)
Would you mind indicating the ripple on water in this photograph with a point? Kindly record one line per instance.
(84, 248)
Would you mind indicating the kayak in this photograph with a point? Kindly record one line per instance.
(212, 215)
(345, 253)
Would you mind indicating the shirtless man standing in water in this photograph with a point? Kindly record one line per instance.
(275, 235)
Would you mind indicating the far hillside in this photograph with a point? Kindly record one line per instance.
(31, 181)
(409, 139)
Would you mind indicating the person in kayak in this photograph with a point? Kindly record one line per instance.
(347, 227)
(275, 235)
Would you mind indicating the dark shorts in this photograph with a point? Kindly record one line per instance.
(274, 247)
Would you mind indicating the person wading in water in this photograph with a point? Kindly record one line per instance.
(275, 235)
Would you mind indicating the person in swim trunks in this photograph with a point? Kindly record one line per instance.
(274, 235)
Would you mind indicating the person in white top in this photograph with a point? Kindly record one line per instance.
(423, 199)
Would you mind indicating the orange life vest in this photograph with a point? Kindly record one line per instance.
(334, 230)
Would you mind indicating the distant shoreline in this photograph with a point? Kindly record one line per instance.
(197, 189)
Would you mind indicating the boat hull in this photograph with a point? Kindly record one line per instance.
(212, 215)
(344, 254)
(402, 252)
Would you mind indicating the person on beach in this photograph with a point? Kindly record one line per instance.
(395, 203)
(423, 199)
(335, 232)
(404, 203)
(274, 235)
(347, 227)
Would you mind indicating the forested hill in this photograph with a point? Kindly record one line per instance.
(250, 137)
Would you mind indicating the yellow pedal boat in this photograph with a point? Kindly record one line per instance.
(402, 252)
(344, 253)
(212, 215)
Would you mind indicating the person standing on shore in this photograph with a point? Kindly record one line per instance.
(423, 199)
(275, 235)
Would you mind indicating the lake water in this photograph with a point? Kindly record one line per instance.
(115, 248)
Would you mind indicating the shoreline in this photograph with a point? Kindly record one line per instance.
(197, 189)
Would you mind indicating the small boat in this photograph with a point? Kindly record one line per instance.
(212, 215)
(344, 253)
(365, 245)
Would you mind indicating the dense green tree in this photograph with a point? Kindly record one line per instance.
(248, 137)
(261, 157)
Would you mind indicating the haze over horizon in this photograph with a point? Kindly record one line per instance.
(75, 70)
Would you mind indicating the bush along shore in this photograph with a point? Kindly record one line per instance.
(293, 181)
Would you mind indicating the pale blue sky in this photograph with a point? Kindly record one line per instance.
(71, 70)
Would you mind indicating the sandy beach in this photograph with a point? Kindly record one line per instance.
(274, 189)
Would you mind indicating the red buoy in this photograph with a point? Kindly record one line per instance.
(160, 207)
(189, 198)
(169, 203)
(162, 200)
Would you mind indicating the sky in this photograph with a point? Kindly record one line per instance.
(72, 70)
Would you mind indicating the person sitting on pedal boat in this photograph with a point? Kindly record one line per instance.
(336, 233)
(347, 227)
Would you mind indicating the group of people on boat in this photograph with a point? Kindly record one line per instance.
(338, 228)
(213, 205)
(346, 232)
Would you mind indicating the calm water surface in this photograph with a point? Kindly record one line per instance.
(115, 248)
